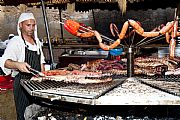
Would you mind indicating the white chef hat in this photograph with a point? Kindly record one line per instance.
(24, 17)
(11, 35)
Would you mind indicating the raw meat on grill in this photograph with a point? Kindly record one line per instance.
(142, 65)
(100, 65)
(151, 65)
(94, 71)
(56, 72)
(173, 72)
(148, 64)
(152, 61)
(177, 71)
(74, 66)
(75, 76)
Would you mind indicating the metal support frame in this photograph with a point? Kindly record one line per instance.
(61, 26)
(130, 62)
(53, 65)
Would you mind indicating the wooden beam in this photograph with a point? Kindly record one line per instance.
(70, 7)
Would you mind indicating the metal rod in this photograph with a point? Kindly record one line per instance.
(132, 39)
(175, 13)
(94, 19)
(62, 36)
(48, 36)
(151, 40)
(105, 37)
(141, 41)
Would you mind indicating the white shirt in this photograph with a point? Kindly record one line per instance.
(15, 51)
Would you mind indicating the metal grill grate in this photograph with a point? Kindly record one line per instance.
(171, 86)
(71, 92)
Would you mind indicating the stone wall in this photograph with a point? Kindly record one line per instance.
(102, 18)
(97, 19)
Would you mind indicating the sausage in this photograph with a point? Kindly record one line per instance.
(167, 37)
(98, 36)
(70, 30)
(166, 28)
(71, 26)
(103, 46)
(123, 30)
(74, 28)
(172, 46)
(175, 27)
(85, 34)
(115, 44)
(150, 34)
(113, 28)
(139, 30)
(136, 25)
(107, 47)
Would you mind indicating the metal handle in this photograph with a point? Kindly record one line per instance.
(36, 71)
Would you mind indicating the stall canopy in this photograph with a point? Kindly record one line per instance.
(92, 3)
(17, 2)
(86, 5)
